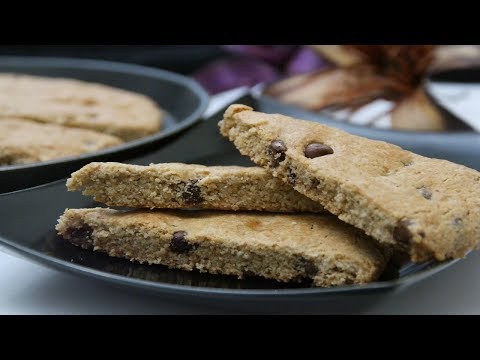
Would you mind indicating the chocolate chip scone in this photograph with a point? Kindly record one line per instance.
(427, 207)
(177, 186)
(274, 246)
(79, 104)
(24, 141)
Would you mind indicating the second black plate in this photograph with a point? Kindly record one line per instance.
(182, 98)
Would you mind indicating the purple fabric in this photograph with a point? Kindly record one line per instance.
(305, 60)
(273, 54)
(226, 74)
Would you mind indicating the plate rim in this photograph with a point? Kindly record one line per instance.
(372, 131)
(135, 69)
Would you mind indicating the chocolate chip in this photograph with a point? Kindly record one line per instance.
(426, 193)
(314, 150)
(179, 244)
(192, 194)
(457, 221)
(402, 233)
(291, 177)
(277, 150)
(80, 236)
(308, 267)
(278, 146)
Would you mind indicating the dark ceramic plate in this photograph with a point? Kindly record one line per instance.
(28, 217)
(182, 98)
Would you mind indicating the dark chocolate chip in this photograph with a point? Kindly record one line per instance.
(308, 266)
(291, 177)
(315, 150)
(402, 233)
(179, 244)
(426, 193)
(314, 183)
(192, 194)
(277, 150)
(421, 233)
(80, 236)
(278, 146)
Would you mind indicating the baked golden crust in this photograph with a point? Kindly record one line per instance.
(428, 207)
(79, 104)
(276, 246)
(177, 186)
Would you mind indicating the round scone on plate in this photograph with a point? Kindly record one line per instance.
(24, 141)
(79, 104)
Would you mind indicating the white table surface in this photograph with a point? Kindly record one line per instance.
(29, 288)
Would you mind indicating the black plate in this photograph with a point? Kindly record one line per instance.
(182, 98)
(28, 217)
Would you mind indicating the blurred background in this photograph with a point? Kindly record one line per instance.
(401, 87)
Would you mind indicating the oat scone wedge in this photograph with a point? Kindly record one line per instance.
(24, 141)
(80, 104)
(292, 247)
(181, 186)
(427, 207)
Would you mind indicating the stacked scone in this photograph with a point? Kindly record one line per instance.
(324, 206)
(47, 118)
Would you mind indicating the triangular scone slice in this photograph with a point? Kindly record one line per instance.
(184, 186)
(427, 207)
(284, 247)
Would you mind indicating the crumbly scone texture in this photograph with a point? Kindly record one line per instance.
(177, 186)
(81, 104)
(285, 247)
(24, 141)
(427, 207)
